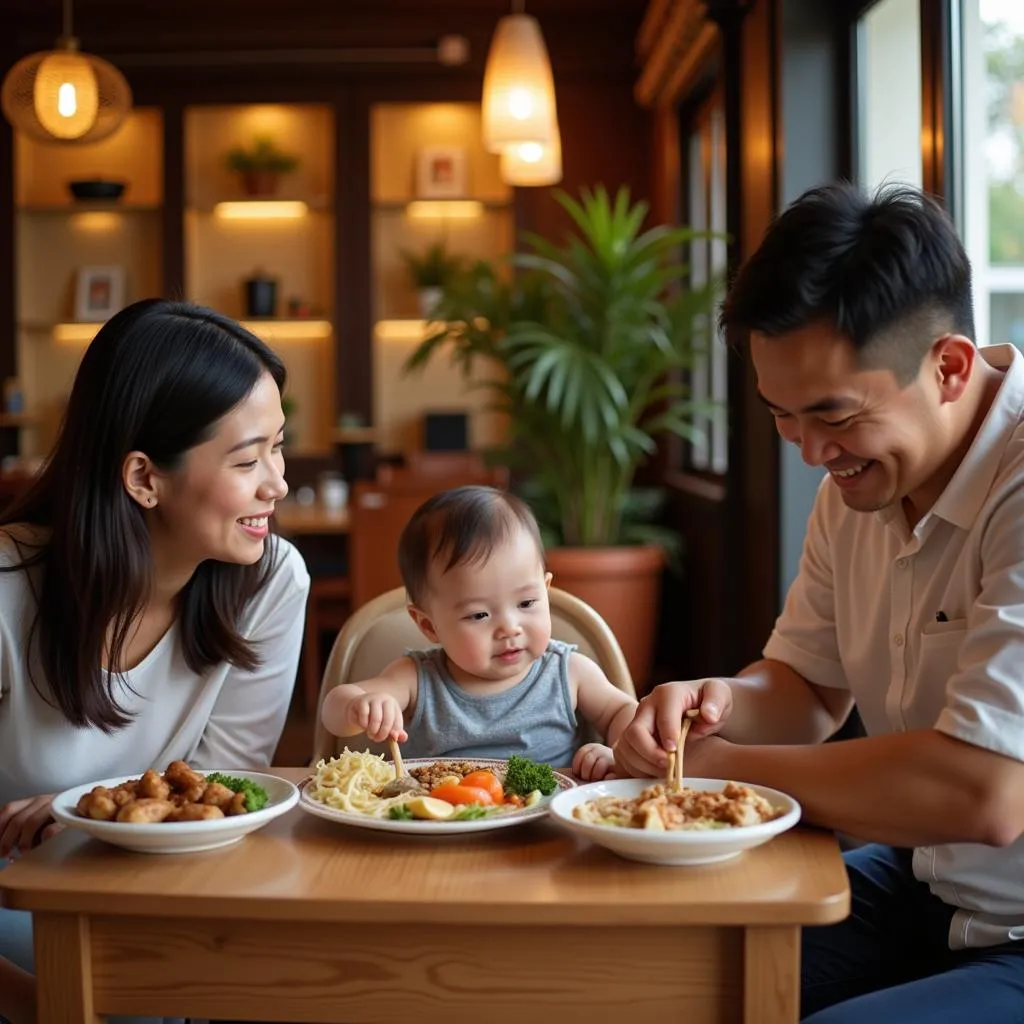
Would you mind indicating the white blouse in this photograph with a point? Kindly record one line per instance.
(223, 718)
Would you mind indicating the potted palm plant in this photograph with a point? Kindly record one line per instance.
(588, 344)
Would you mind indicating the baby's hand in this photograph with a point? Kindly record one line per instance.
(593, 762)
(379, 715)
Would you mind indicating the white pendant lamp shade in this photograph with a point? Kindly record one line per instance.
(519, 92)
(530, 163)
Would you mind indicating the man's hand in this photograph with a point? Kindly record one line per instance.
(642, 749)
(26, 823)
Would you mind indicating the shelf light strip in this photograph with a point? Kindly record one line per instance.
(270, 209)
(269, 330)
(288, 330)
(445, 209)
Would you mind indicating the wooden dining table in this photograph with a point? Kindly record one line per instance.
(308, 920)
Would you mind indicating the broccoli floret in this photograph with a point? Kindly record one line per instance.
(256, 797)
(400, 813)
(523, 776)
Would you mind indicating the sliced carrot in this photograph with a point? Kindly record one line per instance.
(454, 794)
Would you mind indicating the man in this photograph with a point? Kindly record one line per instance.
(909, 603)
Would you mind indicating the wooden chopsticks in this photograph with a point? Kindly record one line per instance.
(674, 772)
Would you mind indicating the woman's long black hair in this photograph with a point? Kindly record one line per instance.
(156, 379)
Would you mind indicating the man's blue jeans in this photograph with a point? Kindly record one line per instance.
(890, 959)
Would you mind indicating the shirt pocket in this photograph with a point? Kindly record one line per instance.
(938, 657)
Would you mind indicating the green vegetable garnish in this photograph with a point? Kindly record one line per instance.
(523, 776)
(399, 813)
(256, 797)
(470, 812)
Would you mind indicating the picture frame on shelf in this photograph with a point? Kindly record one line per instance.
(99, 293)
(441, 173)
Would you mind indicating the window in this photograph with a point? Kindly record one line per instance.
(705, 203)
(993, 162)
(889, 94)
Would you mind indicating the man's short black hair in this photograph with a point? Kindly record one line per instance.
(887, 271)
(460, 526)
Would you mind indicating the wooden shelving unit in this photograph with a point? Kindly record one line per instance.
(57, 237)
(399, 132)
(296, 250)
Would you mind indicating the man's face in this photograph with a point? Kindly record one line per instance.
(880, 442)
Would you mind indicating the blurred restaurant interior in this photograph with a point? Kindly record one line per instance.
(321, 169)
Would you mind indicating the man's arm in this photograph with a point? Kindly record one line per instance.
(773, 703)
(918, 788)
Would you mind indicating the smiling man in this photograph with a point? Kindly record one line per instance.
(909, 602)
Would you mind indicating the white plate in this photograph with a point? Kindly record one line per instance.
(437, 828)
(177, 836)
(703, 846)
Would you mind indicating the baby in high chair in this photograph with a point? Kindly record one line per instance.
(495, 683)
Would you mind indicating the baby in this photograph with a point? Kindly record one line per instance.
(496, 684)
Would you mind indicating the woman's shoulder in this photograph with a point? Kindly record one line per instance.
(21, 542)
(288, 570)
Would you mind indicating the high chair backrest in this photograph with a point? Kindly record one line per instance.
(382, 630)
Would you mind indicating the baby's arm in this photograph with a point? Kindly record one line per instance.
(375, 706)
(606, 707)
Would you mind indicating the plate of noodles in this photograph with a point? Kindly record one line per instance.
(454, 795)
(708, 820)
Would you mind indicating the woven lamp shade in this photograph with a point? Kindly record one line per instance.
(65, 96)
(519, 91)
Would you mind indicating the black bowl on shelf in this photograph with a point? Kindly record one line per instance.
(96, 189)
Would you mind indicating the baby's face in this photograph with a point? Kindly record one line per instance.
(492, 618)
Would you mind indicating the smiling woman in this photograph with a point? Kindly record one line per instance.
(145, 614)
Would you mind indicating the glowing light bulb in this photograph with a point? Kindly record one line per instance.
(67, 100)
(531, 152)
(520, 104)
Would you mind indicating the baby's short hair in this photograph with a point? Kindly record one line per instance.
(460, 526)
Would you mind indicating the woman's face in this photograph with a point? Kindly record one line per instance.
(216, 503)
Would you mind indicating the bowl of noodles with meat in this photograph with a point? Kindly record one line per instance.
(443, 796)
(178, 810)
(708, 820)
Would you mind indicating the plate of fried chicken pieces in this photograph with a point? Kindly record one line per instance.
(179, 810)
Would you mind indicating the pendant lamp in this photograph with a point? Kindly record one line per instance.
(63, 95)
(530, 163)
(519, 92)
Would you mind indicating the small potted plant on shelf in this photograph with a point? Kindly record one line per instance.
(586, 349)
(261, 165)
(431, 271)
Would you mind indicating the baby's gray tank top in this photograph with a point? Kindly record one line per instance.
(535, 718)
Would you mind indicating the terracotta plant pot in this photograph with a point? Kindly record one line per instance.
(260, 183)
(623, 585)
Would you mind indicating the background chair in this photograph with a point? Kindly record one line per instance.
(378, 512)
(382, 630)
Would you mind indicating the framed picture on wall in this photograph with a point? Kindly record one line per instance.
(441, 172)
(99, 293)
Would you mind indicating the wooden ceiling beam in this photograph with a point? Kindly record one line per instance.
(675, 38)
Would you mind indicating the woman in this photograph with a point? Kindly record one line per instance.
(145, 613)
